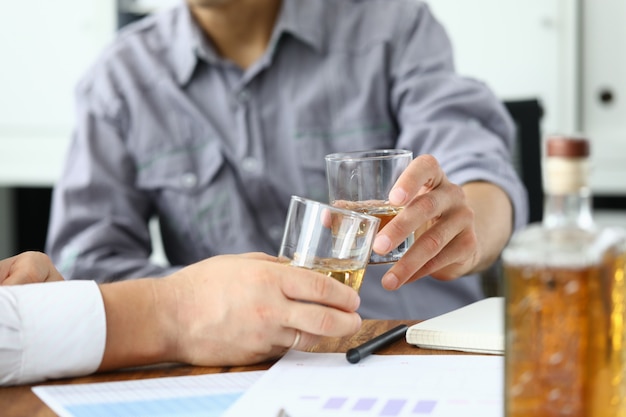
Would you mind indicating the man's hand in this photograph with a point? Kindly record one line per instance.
(242, 309)
(28, 268)
(458, 229)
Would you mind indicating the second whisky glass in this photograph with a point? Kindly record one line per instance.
(327, 239)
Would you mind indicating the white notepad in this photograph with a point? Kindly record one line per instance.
(477, 327)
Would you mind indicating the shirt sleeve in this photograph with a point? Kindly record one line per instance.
(454, 118)
(50, 330)
(99, 218)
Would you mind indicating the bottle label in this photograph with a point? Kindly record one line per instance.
(565, 175)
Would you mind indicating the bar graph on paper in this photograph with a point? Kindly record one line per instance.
(390, 407)
(183, 396)
(325, 385)
(304, 385)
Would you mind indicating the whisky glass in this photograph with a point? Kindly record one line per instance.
(327, 239)
(361, 181)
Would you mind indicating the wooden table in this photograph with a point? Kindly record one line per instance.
(21, 402)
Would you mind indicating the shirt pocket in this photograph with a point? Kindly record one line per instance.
(189, 188)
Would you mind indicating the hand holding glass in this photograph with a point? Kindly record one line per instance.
(361, 181)
(327, 239)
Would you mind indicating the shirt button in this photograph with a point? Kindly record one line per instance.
(251, 165)
(474, 122)
(276, 233)
(189, 180)
(243, 96)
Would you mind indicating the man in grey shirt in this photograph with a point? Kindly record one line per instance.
(212, 114)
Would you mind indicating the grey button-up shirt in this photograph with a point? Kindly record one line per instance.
(167, 128)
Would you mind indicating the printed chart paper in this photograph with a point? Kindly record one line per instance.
(325, 384)
(184, 396)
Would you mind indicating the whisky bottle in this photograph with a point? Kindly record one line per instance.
(564, 291)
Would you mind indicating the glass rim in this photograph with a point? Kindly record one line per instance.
(368, 155)
(347, 212)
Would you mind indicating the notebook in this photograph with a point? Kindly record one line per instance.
(477, 327)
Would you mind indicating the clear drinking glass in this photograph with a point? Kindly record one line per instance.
(327, 239)
(361, 181)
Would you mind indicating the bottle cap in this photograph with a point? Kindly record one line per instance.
(568, 146)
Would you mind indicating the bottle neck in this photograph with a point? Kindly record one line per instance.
(568, 200)
(569, 210)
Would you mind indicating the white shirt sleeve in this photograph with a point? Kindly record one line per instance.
(50, 330)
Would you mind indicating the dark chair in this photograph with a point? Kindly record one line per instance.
(527, 116)
(128, 12)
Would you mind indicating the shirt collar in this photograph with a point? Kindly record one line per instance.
(188, 44)
(303, 19)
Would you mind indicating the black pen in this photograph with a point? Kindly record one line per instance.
(356, 354)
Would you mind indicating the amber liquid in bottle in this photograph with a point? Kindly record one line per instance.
(565, 353)
(564, 287)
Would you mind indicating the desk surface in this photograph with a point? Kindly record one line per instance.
(20, 401)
